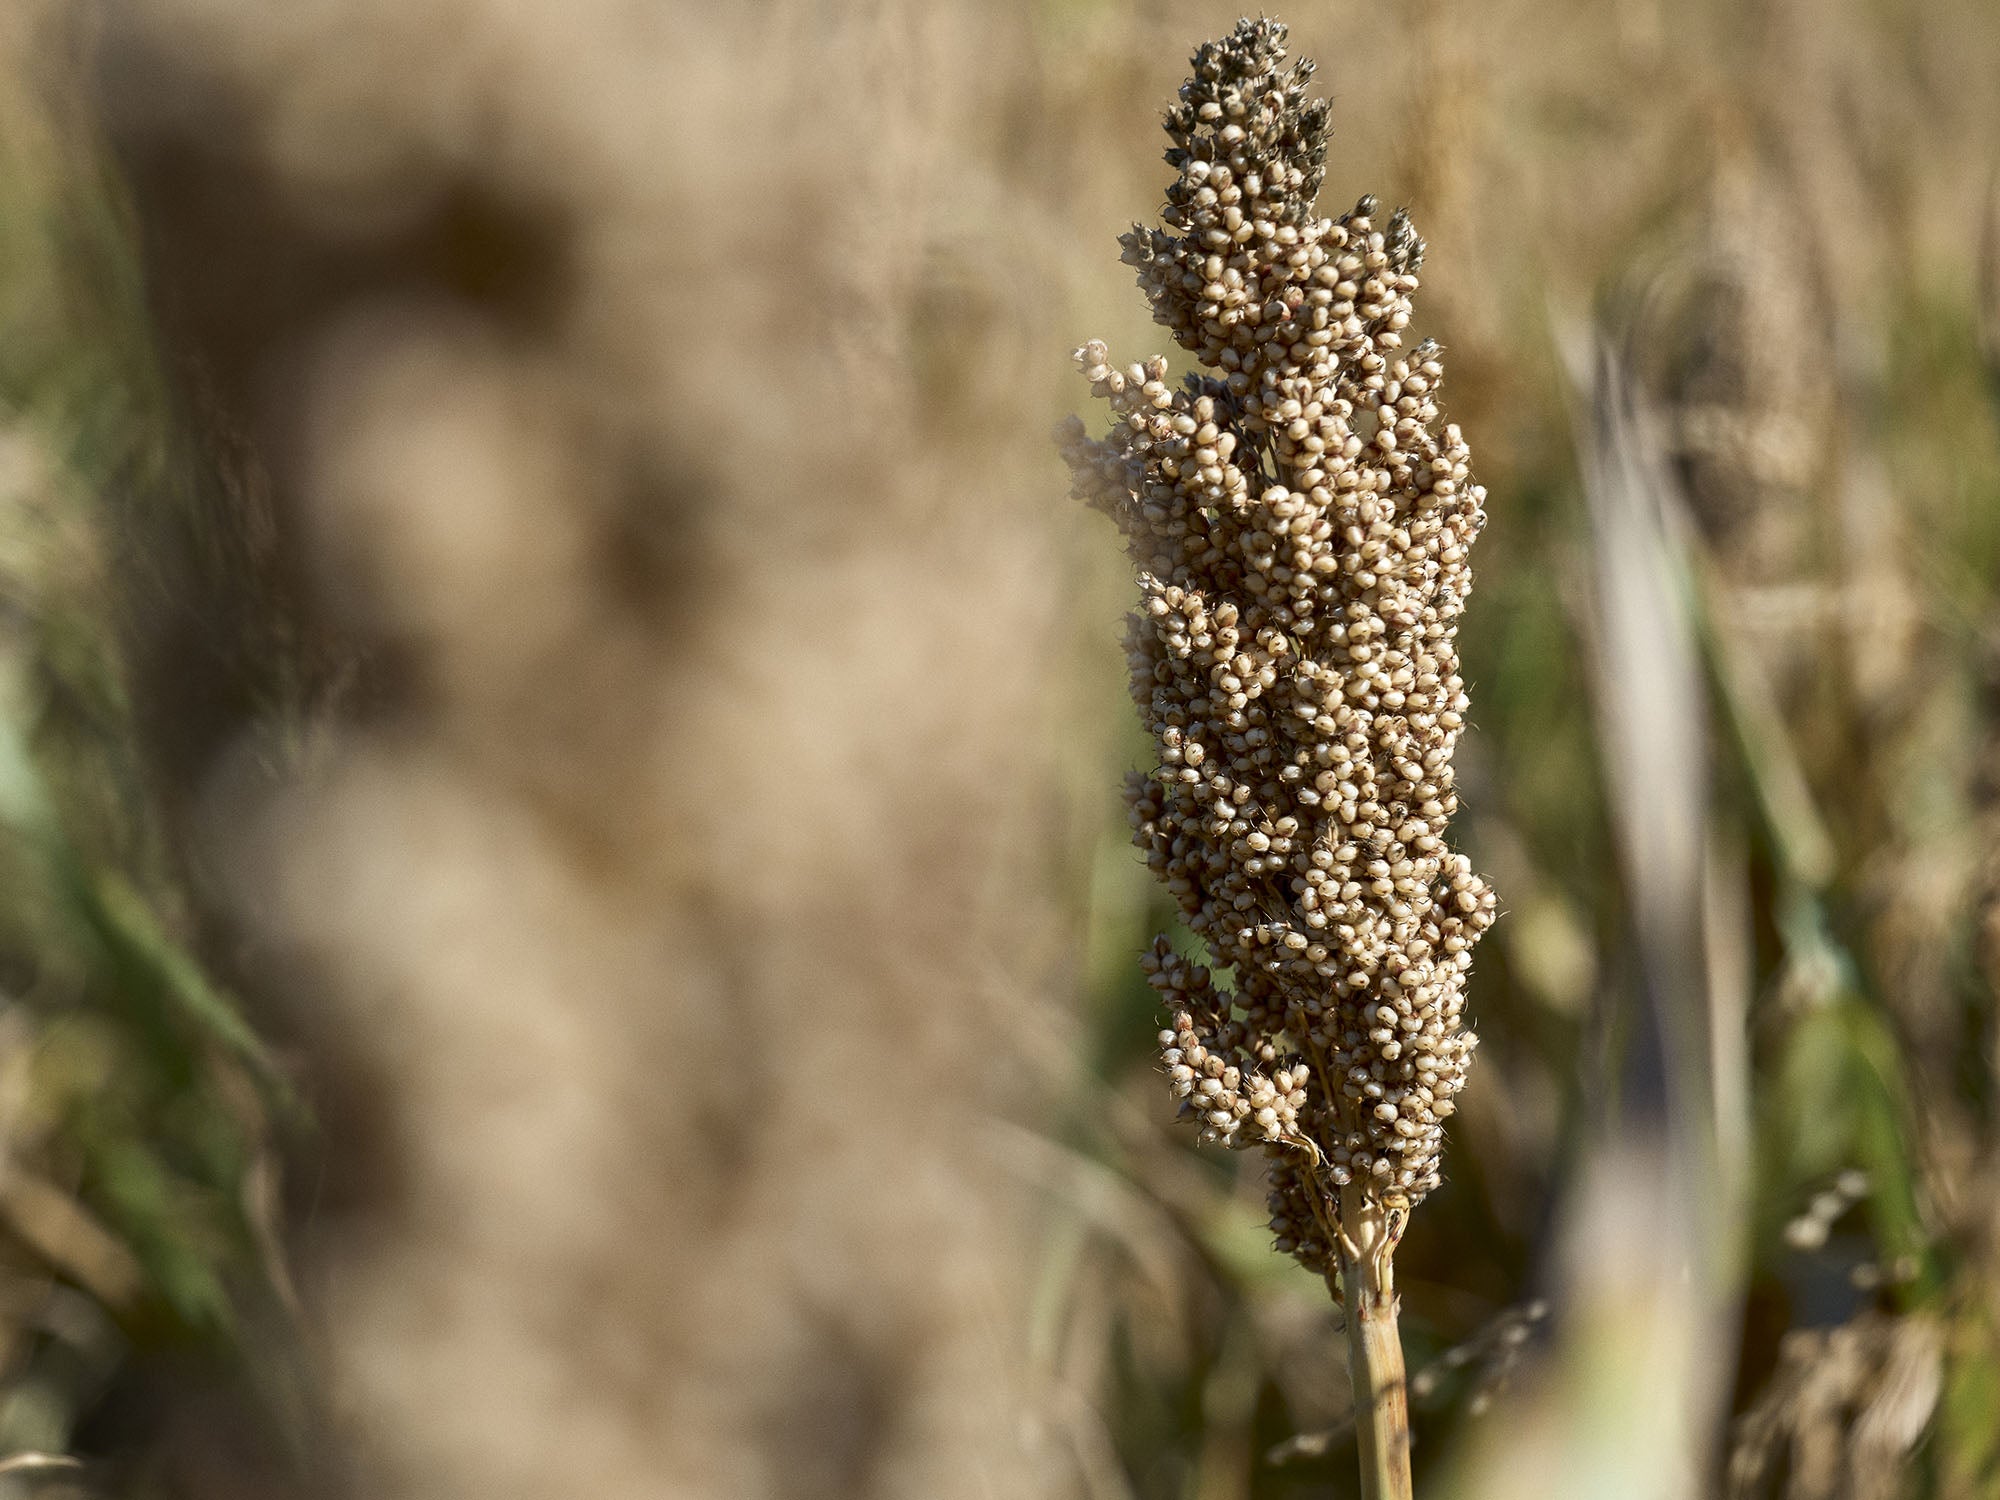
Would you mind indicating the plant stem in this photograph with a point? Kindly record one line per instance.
(1367, 1239)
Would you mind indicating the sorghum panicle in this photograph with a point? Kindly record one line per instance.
(1299, 522)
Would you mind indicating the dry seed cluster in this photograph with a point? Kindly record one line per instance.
(1299, 524)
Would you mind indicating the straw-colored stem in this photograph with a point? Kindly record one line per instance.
(1367, 1239)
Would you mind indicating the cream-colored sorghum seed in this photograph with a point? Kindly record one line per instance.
(1299, 523)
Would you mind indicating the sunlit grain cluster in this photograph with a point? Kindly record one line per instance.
(1299, 522)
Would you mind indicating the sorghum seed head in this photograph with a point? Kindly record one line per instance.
(1299, 517)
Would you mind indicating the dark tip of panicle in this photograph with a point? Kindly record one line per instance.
(1406, 247)
(1250, 47)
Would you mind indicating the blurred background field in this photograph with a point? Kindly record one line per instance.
(565, 922)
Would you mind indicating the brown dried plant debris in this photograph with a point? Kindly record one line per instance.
(1842, 1414)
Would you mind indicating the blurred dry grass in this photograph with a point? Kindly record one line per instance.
(531, 556)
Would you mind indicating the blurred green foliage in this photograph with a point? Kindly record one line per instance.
(139, 1103)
